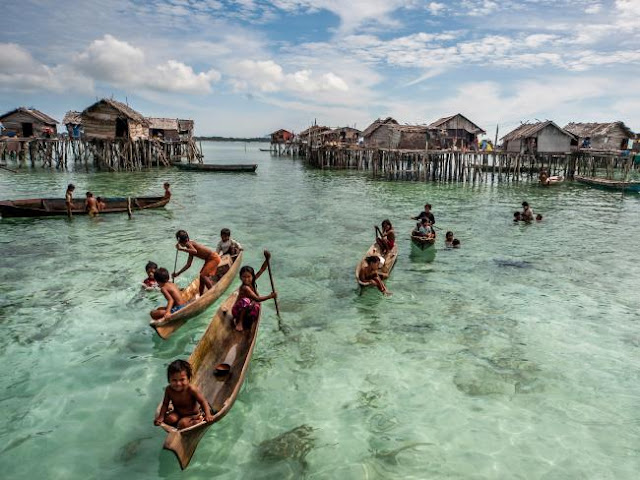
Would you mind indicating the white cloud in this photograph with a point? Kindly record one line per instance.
(121, 64)
(436, 8)
(592, 9)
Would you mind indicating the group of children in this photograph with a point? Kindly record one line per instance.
(189, 407)
(94, 205)
(526, 215)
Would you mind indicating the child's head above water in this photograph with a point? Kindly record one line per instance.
(538, 217)
(456, 243)
(182, 236)
(179, 374)
(516, 216)
(449, 236)
(161, 275)
(151, 268)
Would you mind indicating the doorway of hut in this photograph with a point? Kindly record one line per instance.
(122, 127)
(27, 129)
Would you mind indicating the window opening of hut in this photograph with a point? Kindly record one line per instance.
(27, 129)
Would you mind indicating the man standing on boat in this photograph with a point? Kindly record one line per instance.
(426, 214)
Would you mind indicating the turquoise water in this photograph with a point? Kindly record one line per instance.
(517, 356)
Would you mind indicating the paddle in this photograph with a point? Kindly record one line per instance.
(8, 169)
(175, 265)
(273, 289)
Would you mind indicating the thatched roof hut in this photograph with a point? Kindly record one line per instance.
(109, 119)
(312, 135)
(342, 135)
(601, 136)
(388, 133)
(163, 128)
(454, 131)
(73, 121)
(540, 137)
(28, 123)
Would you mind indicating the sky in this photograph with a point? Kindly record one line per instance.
(250, 67)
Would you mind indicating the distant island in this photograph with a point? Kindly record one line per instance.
(232, 139)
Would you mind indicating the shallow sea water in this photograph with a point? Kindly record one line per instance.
(516, 356)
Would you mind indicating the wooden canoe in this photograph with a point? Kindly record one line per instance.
(221, 343)
(631, 186)
(166, 327)
(51, 207)
(210, 167)
(421, 242)
(389, 261)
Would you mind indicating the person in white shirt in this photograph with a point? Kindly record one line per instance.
(227, 245)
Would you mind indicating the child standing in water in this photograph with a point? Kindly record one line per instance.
(188, 403)
(195, 249)
(448, 239)
(91, 205)
(68, 198)
(387, 238)
(171, 292)
(247, 306)
(167, 192)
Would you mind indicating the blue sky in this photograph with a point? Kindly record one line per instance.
(249, 67)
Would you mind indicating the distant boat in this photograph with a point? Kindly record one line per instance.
(53, 207)
(211, 167)
(420, 242)
(631, 186)
(264, 149)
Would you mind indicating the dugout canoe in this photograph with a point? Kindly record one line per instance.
(52, 207)
(221, 343)
(421, 242)
(210, 167)
(389, 261)
(196, 306)
(630, 186)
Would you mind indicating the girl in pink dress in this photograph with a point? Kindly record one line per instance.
(247, 306)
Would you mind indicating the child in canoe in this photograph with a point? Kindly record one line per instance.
(227, 245)
(195, 249)
(150, 283)
(171, 292)
(387, 238)
(246, 309)
(370, 273)
(187, 401)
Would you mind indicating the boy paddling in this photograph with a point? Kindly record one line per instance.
(195, 249)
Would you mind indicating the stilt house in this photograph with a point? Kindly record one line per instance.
(28, 123)
(185, 129)
(454, 132)
(342, 136)
(378, 134)
(281, 136)
(109, 119)
(601, 136)
(73, 121)
(165, 129)
(540, 137)
(312, 135)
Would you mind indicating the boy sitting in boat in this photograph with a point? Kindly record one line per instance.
(195, 249)
(150, 283)
(171, 292)
(426, 230)
(91, 205)
(227, 245)
(371, 275)
(189, 406)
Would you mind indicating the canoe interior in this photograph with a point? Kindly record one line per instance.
(227, 271)
(421, 242)
(389, 261)
(57, 206)
(221, 343)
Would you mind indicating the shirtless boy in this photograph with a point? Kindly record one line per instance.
(195, 249)
(68, 198)
(371, 275)
(91, 205)
(186, 399)
(171, 292)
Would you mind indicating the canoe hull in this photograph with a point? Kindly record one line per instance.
(389, 261)
(221, 343)
(166, 328)
(209, 167)
(56, 207)
(608, 184)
